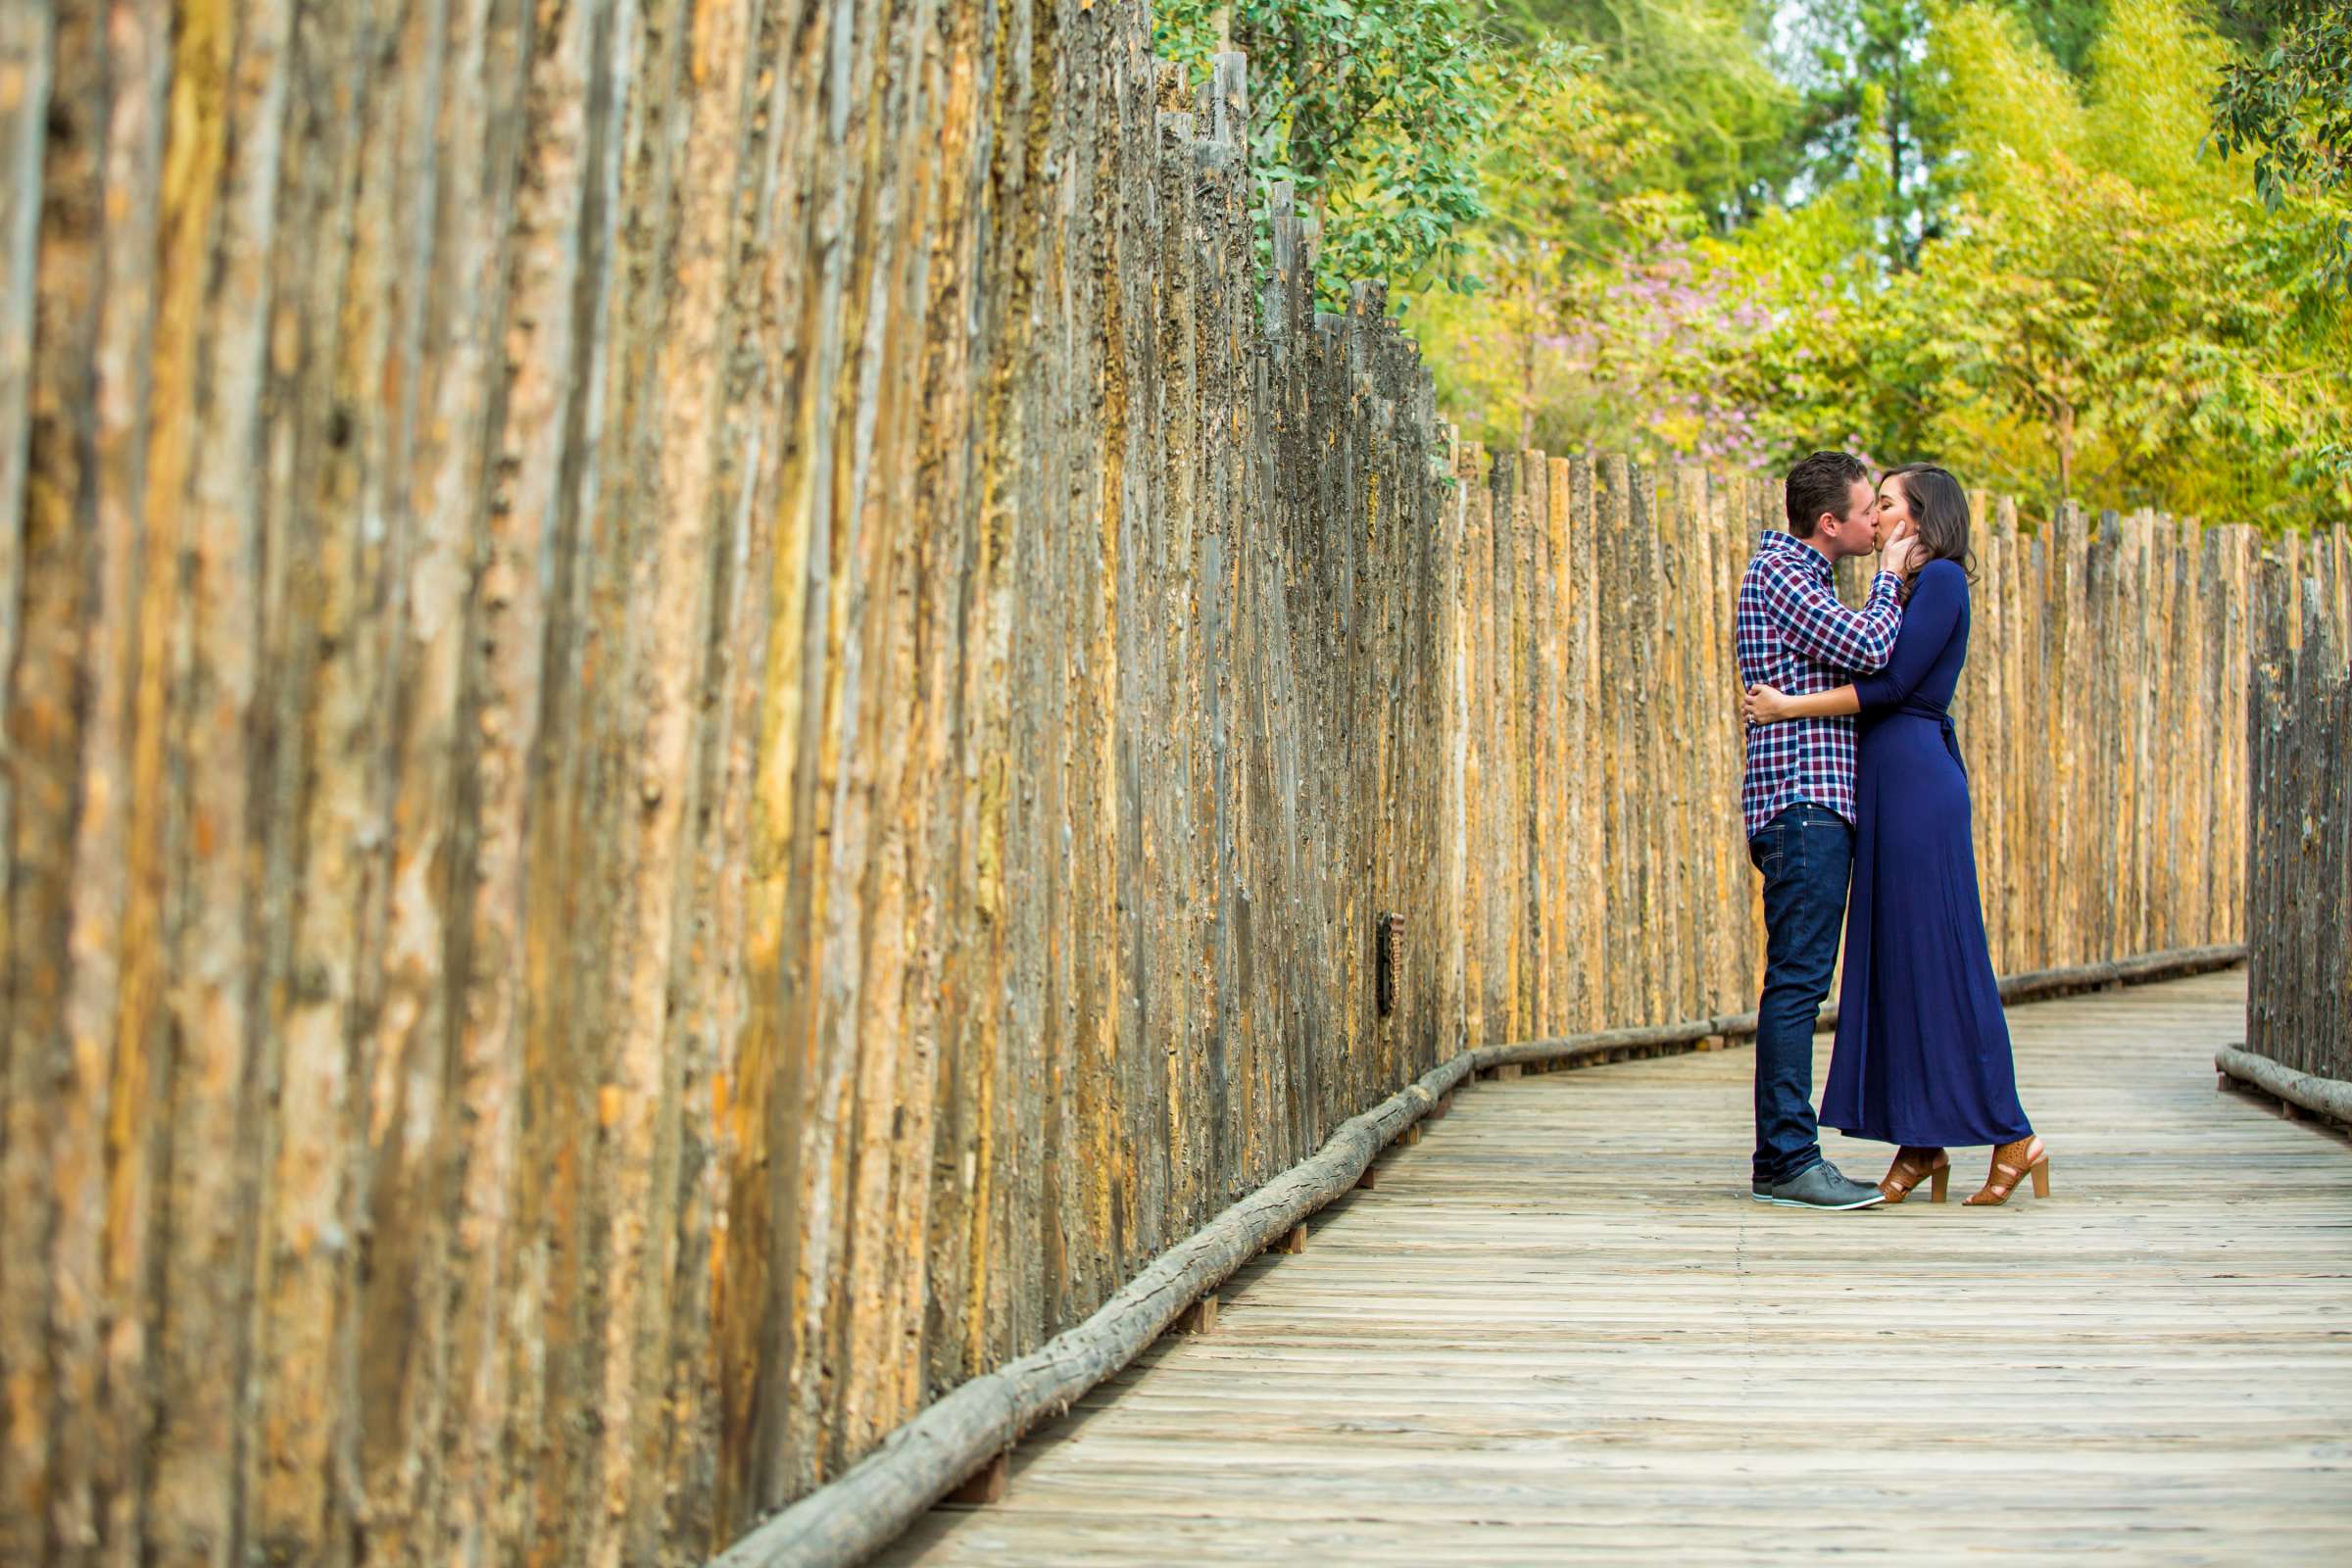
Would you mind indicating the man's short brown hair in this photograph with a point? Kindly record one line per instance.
(1822, 482)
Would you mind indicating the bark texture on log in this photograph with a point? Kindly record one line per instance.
(707, 709)
(2326, 1097)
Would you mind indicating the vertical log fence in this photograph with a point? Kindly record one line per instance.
(707, 718)
(2299, 858)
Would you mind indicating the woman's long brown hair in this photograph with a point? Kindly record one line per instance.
(1940, 515)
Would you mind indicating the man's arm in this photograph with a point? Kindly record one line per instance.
(1816, 624)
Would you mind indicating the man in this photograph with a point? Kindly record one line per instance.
(1798, 798)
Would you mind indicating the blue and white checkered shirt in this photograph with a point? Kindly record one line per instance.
(1798, 637)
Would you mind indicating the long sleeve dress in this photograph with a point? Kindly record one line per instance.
(1923, 1048)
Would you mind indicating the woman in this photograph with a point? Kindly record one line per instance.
(1921, 1058)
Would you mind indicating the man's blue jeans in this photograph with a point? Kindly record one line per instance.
(1806, 854)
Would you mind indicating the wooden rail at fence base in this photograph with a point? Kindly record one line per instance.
(2034, 985)
(975, 1425)
(932, 1454)
(2325, 1097)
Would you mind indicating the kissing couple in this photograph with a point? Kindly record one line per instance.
(1855, 773)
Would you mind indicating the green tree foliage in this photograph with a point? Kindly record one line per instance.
(2101, 318)
(2104, 319)
(1863, 64)
(1376, 113)
(1529, 348)
(2066, 29)
(1870, 79)
(1988, 234)
(1719, 119)
(2289, 102)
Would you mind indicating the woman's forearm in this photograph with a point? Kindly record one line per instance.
(1822, 704)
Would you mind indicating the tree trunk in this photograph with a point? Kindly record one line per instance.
(1526, 374)
(2062, 435)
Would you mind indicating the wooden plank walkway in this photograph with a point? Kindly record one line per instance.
(1560, 1330)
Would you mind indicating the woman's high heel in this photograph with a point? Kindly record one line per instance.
(2010, 1161)
(1912, 1166)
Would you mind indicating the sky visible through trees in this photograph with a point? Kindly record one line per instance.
(2087, 250)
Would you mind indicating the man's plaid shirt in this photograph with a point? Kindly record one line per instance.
(1798, 637)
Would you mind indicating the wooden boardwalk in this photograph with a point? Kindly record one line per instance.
(1559, 1329)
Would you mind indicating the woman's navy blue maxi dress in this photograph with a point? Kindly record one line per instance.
(1923, 1051)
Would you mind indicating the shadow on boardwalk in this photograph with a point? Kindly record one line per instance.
(1560, 1329)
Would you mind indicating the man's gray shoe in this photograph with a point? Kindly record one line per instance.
(1759, 1189)
(1823, 1186)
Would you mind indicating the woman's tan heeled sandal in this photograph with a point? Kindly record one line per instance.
(1911, 1167)
(2024, 1157)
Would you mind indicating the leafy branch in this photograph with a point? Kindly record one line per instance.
(2291, 105)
